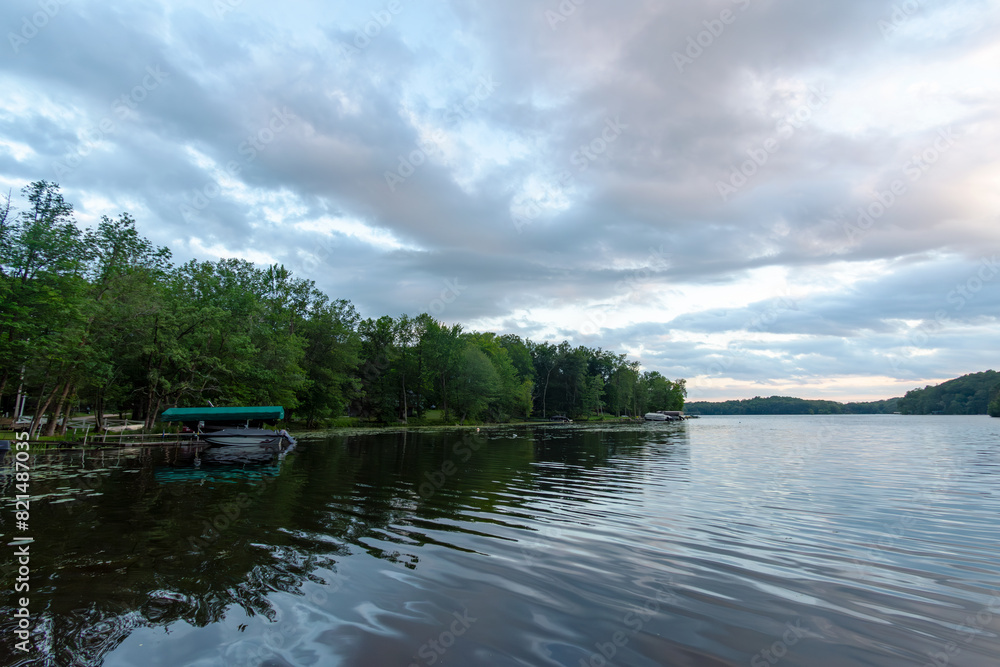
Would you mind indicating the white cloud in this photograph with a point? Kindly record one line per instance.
(819, 309)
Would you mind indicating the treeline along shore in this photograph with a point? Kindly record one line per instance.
(102, 321)
(972, 394)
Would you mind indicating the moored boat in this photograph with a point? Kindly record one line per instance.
(665, 416)
(234, 427)
(244, 437)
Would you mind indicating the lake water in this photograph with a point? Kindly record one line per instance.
(840, 540)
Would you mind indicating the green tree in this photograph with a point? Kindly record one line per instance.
(42, 259)
(331, 359)
(593, 402)
(476, 383)
(513, 396)
(379, 397)
(444, 350)
(545, 358)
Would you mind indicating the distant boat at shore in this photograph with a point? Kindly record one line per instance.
(665, 416)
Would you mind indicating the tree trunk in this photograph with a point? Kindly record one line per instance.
(150, 412)
(405, 411)
(36, 421)
(545, 391)
(50, 428)
(151, 418)
(420, 382)
(65, 410)
(99, 411)
(21, 396)
(444, 395)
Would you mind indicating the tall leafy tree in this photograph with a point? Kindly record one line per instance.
(379, 355)
(331, 357)
(476, 383)
(42, 260)
(444, 358)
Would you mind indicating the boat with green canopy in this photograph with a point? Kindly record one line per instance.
(233, 426)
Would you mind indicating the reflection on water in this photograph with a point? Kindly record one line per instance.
(754, 540)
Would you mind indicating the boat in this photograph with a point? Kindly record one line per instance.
(244, 437)
(665, 416)
(234, 427)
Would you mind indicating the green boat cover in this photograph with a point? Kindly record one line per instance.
(266, 412)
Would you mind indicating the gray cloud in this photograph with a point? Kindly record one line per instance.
(593, 124)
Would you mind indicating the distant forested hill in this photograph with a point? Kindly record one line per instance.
(787, 405)
(971, 394)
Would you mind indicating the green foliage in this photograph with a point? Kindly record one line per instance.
(477, 384)
(786, 405)
(773, 405)
(966, 395)
(102, 318)
(993, 409)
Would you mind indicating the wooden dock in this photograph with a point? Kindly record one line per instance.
(122, 439)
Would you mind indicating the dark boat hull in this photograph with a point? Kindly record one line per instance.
(246, 438)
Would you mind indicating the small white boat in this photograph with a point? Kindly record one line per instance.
(664, 416)
(233, 427)
(247, 437)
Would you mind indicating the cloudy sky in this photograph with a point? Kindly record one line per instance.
(761, 196)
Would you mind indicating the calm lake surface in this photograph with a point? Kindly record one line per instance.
(841, 540)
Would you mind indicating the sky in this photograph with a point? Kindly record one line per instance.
(765, 197)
